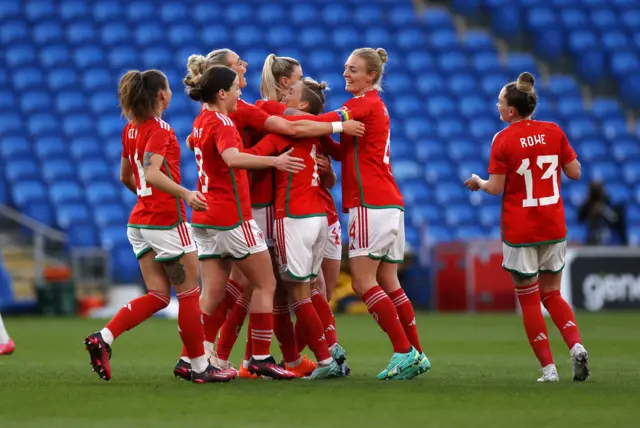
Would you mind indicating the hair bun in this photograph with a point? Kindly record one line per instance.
(525, 82)
(323, 85)
(195, 94)
(383, 54)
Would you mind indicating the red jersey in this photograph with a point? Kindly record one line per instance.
(531, 154)
(367, 179)
(155, 209)
(297, 195)
(226, 189)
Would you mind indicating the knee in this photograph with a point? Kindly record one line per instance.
(267, 284)
(209, 300)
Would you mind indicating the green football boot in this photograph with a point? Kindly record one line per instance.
(400, 363)
(325, 372)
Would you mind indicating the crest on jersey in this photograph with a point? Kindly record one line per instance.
(261, 236)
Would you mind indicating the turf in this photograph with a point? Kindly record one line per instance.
(483, 375)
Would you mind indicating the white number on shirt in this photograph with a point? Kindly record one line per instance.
(315, 178)
(143, 190)
(550, 173)
(202, 176)
(387, 150)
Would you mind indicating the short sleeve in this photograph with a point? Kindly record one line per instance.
(497, 160)
(256, 118)
(271, 107)
(567, 153)
(158, 142)
(125, 152)
(355, 108)
(270, 145)
(226, 137)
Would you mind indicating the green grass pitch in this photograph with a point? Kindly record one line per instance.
(484, 375)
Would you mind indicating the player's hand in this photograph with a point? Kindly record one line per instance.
(353, 127)
(196, 201)
(287, 163)
(189, 143)
(473, 183)
(324, 164)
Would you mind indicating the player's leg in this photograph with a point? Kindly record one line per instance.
(369, 239)
(248, 244)
(551, 264)
(522, 263)
(231, 329)
(283, 327)
(332, 259)
(7, 346)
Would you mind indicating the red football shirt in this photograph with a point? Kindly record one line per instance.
(155, 209)
(367, 179)
(226, 189)
(297, 195)
(531, 154)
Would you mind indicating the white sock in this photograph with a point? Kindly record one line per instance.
(296, 363)
(332, 347)
(208, 346)
(325, 362)
(245, 364)
(260, 357)
(186, 359)
(4, 336)
(107, 336)
(199, 364)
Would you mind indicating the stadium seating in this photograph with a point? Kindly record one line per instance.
(60, 125)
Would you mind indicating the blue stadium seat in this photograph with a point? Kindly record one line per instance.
(616, 41)
(633, 215)
(7, 100)
(78, 124)
(114, 235)
(149, 34)
(182, 34)
(625, 150)
(415, 191)
(175, 12)
(493, 83)
(429, 149)
(483, 128)
(580, 129)
(303, 13)
(462, 84)
(631, 19)
(401, 16)
(63, 78)
(19, 56)
(113, 150)
(13, 147)
(43, 124)
(124, 266)
(157, 57)
(10, 124)
(334, 15)
(486, 62)
(91, 170)
(57, 170)
(108, 11)
(458, 215)
(103, 192)
(248, 36)
(466, 168)
(489, 215)
(13, 32)
(408, 105)
(462, 149)
(239, 13)
(436, 18)
(447, 193)
(80, 33)
(271, 12)
(406, 170)
(516, 63)
(147, 9)
(591, 150)
(561, 86)
(417, 128)
(615, 128)
(82, 235)
(477, 41)
(48, 32)
(398, 83)
(70, 102)
(77, 10)
(69, 215)
(605, 108)
(604, 19)
(64, 192)
(31, 102)
(214, 35)
(21, 170)
(475, 106)
(439, 40)
(453, 61)
(423, 63)
(448, 128)
(27, 78)
(569, 107)
(36, 11)
(441, 106)
(116, 33)
(436, 234)
(9, 9)
(506, 19)
(103, 102)
(25, 193)
(574, 19)
(82, 148)
(624, 63)
(113, 214)
(365, 15)
(466, 233)
(619, 193)
(55, 56)
(437, 170)
(429, 213)
(604, 171)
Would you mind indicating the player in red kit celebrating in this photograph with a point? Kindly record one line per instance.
(301, 226)
(525, 160)
(376, 215)
(226, 232)
(157, 229)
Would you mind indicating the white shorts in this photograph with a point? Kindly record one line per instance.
(333, 250)
(300, 245)
(528, 261)
(237, 243)
(168, 244)
(265, 218)
(377, 233)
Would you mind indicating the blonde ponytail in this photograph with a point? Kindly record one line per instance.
(275, 68)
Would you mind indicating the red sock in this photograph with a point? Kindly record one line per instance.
(232, 292)
(261, 332)
(383, 311)
(312, 328)
(213, 322)
(407, 316)
(247, 345)
(534, 324)
(325, 313)
(301, 341)
(137, 311)
(562, 316)
(190, 322)
(283, 329)
(231, 328)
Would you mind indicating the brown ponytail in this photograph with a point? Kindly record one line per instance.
(138, 93)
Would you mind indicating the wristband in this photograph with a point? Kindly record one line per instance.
(337, 127)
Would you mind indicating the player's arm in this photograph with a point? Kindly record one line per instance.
(332, 147)
(570, 164)
(573, 170)
(267, 146)
(494, 185)
(126, 175)
(298, 127)
(328, 177)
(234, 158)
(497, 171)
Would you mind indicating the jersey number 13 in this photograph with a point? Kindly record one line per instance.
(548, 163)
